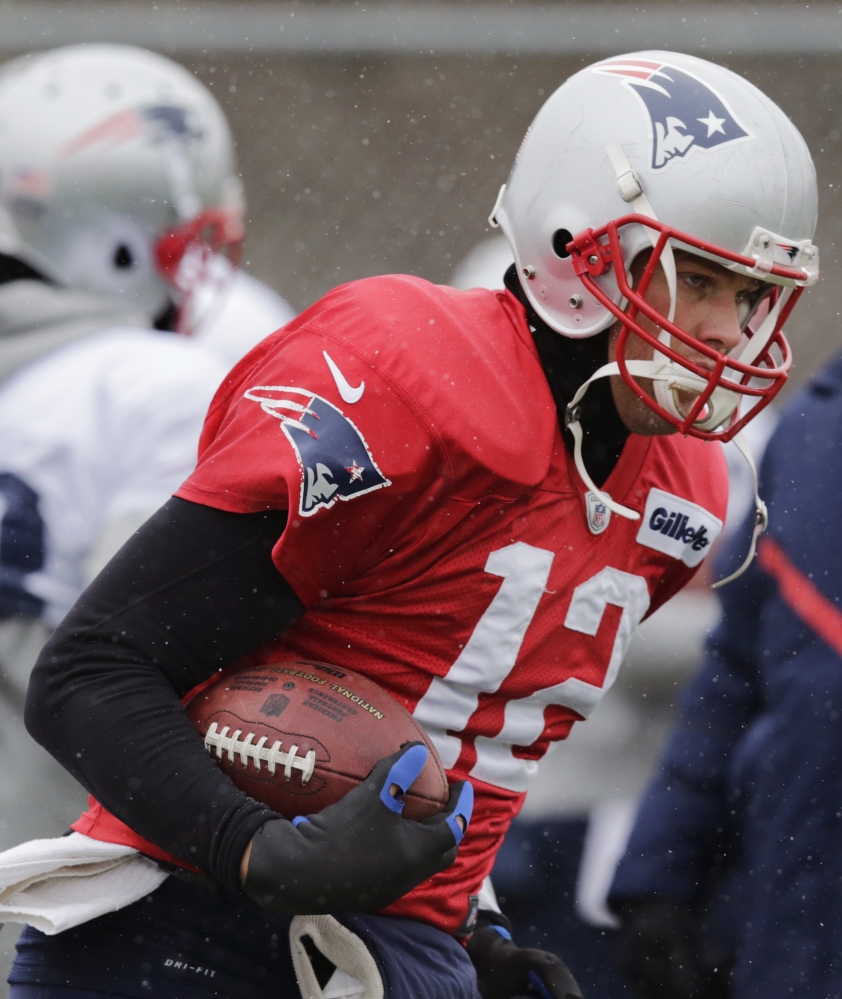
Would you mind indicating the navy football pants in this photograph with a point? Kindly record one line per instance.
(184, 943)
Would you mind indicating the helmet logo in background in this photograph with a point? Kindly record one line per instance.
(171, 122)
(28, 185)
(158, 122)
(684, 112)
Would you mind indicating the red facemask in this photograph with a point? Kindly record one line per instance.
(755, 371)
(219, 230)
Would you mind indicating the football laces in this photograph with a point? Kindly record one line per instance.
(247, 749)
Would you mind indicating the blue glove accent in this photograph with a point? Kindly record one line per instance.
(504, 933)
(539, 986)
(465, 808)
(404, 773)
(299, 819)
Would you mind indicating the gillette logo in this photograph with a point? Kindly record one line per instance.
(677, 527)
(674, 525)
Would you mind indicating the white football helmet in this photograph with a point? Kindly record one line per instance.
(113, 162)
(660, 151)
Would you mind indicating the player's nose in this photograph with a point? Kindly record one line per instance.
(720, 327)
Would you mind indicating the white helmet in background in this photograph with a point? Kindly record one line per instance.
(483, 266)
(114, 161)
(666, 151)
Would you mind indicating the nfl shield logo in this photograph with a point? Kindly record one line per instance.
(598, 513)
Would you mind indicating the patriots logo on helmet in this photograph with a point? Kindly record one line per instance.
(685, 113)
(158, 121)
(335, 461)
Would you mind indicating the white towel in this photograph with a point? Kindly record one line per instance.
(356, 976)
(54, 884)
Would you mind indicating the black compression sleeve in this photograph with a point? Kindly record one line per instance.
(193, 590)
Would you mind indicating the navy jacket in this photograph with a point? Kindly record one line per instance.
(751, 779)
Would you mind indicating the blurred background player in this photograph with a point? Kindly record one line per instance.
(735, 858)
(118, 175)
(118, 198)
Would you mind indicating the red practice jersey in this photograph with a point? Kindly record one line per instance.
(439, 535)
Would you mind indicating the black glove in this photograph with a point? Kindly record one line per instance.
(659, 949)
(505, 970)
(360, 854)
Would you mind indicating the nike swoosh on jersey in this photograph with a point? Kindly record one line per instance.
(348, 393)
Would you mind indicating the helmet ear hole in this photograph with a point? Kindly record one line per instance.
(561, 237)
(123, 257)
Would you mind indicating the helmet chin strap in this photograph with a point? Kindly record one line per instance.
(657, 372)
(572, 417)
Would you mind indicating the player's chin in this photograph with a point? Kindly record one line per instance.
(650, 424)
(635, 413)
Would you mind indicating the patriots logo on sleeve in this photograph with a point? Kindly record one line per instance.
(335, 461)
(685, 113)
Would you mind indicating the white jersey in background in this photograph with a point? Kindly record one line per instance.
(99, 423)
(96, 435)
(98, 432)
(227, 310)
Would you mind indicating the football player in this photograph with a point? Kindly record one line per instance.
(472, 498)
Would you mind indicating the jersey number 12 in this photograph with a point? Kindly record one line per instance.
(492, 651)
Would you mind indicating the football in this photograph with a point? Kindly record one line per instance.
(298, 735)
